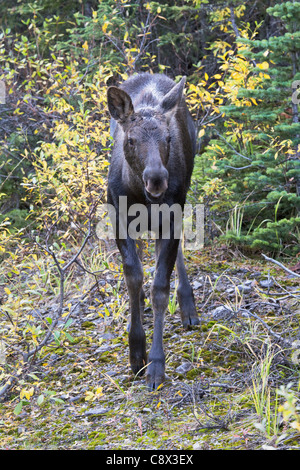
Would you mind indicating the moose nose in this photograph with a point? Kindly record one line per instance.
(156, 181)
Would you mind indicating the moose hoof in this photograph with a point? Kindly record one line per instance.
(155, 375)
(138, 363)
(189, 320)
(138, 369)
(137, 350)
(188, 312)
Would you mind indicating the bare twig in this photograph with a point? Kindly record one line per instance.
(231, 146)
(232, 19)
(281, 265)
(62, 274)
(279, 338)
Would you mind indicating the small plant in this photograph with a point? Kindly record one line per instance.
(235, 221)
(291, 408)
(266, 410)
(173, 304)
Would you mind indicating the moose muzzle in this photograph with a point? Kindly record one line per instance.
(156, 182)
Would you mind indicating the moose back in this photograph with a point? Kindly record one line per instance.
(151, 164)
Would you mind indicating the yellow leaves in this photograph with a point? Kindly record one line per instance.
(194, 88)
(263, 66)
(60, 105)
(213, 186)
(282, 147)
(104, 28)
(296, 425)
(201, 133)
(26, 393)
(289, 411)
(77, 169)
(239, 10)
(239, 74)
(224, 67)
(65, 314)
(85, 46)
(92, 396)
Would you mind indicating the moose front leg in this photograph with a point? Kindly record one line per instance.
(133, 273)
(166, 251)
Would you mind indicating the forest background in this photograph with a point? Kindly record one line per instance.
(57, 59)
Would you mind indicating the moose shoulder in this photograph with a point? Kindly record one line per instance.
(151, 164)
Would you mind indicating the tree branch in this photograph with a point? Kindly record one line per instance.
(232, 148)
(281, 265)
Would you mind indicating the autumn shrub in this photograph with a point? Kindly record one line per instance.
(254, 146)
(63, 123)
(57, 60)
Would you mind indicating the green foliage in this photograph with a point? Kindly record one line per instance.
(57, 61)
(54, 57)
(255, 146)
(16, 217)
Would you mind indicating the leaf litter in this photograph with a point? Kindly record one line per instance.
(81, 393)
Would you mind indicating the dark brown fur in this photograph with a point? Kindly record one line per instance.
(152, 163)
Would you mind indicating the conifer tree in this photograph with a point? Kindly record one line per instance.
(259, 145)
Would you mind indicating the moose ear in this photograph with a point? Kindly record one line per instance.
(119, 104)
(173, 97)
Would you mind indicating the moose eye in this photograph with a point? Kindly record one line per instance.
(130, 141)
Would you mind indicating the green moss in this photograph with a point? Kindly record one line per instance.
(66, 429)
(191, 374)
(99, 439)
(78, 339)
(82, 375)
(87, 324)
(60, 351)
(208, 372)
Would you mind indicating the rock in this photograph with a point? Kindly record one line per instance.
(244, 288)
(230, 291)
(255, 274)
(108, 336)
(183, 368)
(221, 313)
(196, 284)
(197, 446)
(267, 283)
(96, 411)
(54, 357)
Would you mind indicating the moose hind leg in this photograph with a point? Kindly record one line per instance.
(185, 294)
